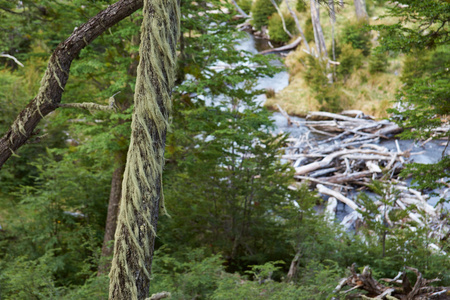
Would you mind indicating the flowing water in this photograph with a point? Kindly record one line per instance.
(432, 151)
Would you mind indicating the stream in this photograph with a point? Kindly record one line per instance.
(432, 151)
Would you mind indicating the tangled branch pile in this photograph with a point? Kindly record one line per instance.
(350, 157)
(399, 287)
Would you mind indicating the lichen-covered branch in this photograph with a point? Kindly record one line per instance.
(57, 74)
(142, 180)
(88, 105)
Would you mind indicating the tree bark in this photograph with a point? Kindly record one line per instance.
(318, 32)
(117, 177)
(142, 182)
(57, 74)
(297, 23)
(113, 212)
(360, 10)
(333, 23)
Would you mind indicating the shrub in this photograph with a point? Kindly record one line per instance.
(309, 30)
(189, 275)
(276, 31)
(261, 10)
(301, 6)
(378, 62)
(349, 59)
(357, 35)
(316, 77)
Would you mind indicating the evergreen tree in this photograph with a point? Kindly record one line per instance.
(424, 98)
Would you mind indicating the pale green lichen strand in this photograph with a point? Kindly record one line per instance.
(142, 183)
(19, 126)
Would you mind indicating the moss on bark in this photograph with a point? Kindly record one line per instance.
(142, 183)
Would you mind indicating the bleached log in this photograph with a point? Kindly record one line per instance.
(313, 129)
(411, 215)
(326, 161)
(330, 209)
(326, 191)
(350, 219)
(344, 144)
(323, 182)
(375, 147)
(391, 129)
(300, 162)
(343, 178)
(392, 161)
(425, 207)
(366, 157)
(288, 47)
(302, 155)
(322, 172)
(412, 191)
(321, 115)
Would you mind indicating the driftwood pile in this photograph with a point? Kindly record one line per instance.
(349, 157)
(399, 287)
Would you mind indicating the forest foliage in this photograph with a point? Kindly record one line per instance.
(233, 225)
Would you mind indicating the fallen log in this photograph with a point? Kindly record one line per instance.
(330, 210)
(321, 115)
(322, 182)
(288, 47)
(326, 161)
(326, 191)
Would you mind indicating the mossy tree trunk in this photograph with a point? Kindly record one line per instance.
(117, 176)
(142, 182)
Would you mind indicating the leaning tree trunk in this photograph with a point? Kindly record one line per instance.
(297, 23)
(142, 182)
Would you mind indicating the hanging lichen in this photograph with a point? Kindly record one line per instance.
(18, 126)
(142, 183)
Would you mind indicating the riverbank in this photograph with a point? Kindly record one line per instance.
(371, 93)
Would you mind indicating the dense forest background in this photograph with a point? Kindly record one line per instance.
(232, 227)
